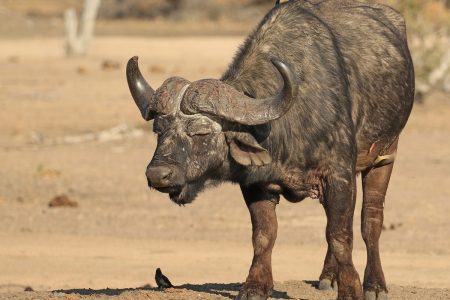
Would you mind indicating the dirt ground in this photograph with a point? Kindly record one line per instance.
(69, 127)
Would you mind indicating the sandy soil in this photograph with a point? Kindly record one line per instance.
(121, 232)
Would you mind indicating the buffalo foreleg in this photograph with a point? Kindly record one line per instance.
(340, 196)
(328, 278)
(261, 205)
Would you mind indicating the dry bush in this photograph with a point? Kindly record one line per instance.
(183, 9)
(40, 8)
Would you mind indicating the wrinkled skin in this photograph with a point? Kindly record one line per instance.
(308, 103)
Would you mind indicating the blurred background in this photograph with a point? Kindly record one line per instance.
(75, 210)
(428, 24)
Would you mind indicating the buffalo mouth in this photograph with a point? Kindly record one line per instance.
(184, 194)
(178, 194)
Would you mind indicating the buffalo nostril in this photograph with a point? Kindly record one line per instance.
(159, 176)
(165, 174)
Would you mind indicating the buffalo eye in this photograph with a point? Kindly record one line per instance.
(198, 128)
(199, 131)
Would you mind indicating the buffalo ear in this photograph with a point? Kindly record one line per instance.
(246, 151)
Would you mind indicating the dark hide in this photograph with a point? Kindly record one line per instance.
(356, 81)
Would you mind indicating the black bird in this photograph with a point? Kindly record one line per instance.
(162, 281)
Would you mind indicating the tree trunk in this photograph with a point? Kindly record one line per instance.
(78, 36)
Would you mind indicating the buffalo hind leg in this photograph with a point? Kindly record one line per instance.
(340, 197)
(375, 184)
(261, 205)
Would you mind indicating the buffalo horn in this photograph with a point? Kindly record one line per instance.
(141, 91)
(220, 99)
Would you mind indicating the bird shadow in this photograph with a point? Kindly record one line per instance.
(313, 283)
(227, 290)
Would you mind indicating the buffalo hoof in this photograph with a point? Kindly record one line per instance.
(371, 295)
(253, 292)
(246, 295)
(327, 284)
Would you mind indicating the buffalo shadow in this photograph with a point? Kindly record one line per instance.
(227, 290)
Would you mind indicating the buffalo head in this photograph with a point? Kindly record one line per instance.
(196, 126)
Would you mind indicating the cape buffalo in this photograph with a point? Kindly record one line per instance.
(318, 93)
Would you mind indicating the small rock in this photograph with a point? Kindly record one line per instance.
(13, 59)
(25, 230)
(81, 70)
(48, 173)
(28, 289)
(110, 65)
(392, 226)
(62, 201)
(157, 69)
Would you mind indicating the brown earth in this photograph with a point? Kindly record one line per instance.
(60, 135)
